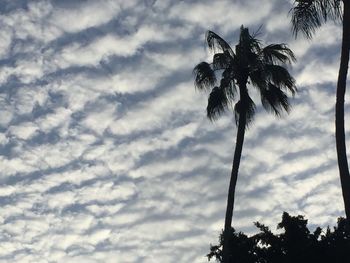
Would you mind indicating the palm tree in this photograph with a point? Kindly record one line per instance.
(307, 16)
(250, 63)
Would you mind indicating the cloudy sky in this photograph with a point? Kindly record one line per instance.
(105, 150)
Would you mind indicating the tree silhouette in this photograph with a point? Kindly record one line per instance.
(295, 244)
(249, 63)
(307, 16)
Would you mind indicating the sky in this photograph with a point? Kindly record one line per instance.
(106, 153)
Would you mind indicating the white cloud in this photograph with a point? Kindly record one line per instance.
(28, 98)
(117, 45)
(85, 15)
(24, 132)
(5, 39)
(53, 120)
(162, 110)
(210, 14)
(327, 73)
(28, 22)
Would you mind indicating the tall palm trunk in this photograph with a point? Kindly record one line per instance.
(339, 112)
(233, 180)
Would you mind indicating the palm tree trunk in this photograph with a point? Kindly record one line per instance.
(232, 186)
(339, 113)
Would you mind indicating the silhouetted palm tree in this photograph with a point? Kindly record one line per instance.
(307, 16)
(249, 63)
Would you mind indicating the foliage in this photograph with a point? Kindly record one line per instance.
(295, 245)
(308, 15)
(226, 78)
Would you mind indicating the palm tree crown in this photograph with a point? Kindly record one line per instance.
(262, 67)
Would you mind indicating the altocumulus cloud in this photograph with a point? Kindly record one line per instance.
(106, 154)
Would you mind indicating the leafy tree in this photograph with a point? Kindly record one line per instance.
(295, 244)
(250, 63)
(307, 16)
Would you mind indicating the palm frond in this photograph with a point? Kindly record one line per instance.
(330, 9)
(227, 83)
(274, 100)
(308, 15)
(245, 106)
(217, 103)
(277, 53)
(305, 18)
(216, 43)
(222, 60)
(204, 76)
(258, 77)
(280, 77)
(257, 32)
